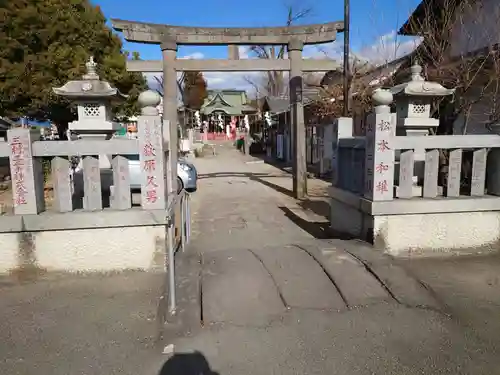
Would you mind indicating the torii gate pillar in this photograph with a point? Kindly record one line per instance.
(295, 48)
(169, 52)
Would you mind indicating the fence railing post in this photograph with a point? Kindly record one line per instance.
(26, 171)
(121, 198)
(379, 153)
(92, 187)
(61, 181)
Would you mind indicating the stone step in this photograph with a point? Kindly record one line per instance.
(403, 287)
(358, 286)
(237, 289)
(300, 279)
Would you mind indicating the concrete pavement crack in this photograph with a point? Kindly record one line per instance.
(399, 301)
(280, 294)
(327, 274)
(375, 275)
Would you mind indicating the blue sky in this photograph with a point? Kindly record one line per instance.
(373, 22)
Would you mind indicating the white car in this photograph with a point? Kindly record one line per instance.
(187, 177)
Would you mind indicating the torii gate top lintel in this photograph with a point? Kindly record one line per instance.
(151, 33)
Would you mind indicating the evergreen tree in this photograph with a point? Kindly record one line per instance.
(194, 90)
(45, 43)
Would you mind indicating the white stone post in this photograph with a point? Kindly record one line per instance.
(342, 128)
(92, 185)
(152, 153)
(26, 172)
(379, 153)
(191, 138)
(327, 149)
(61, 181)
(121, 198)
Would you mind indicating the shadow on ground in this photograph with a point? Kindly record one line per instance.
(317, 229)
(187, 364)
(312, 169)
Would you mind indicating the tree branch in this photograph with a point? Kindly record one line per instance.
(274, 81)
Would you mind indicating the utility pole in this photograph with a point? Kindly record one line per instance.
(347, 69)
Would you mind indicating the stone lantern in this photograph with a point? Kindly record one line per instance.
(93, 98)
(413, 100)
(413, 103)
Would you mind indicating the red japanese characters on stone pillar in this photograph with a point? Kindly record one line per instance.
(149, 168)
(26, 173)
(151, 153)
(17, 149)
(379, 153)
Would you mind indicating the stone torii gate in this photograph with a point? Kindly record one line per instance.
(294, 37)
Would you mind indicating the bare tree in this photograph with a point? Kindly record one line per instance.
(365, 77)
(371, 67)
(273, 83)
(460, 50)
(180, 85)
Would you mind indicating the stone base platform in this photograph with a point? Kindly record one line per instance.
(419, 226)
(104, 241)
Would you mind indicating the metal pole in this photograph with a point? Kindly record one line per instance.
(171, 267)
(347, 70)
(188, 218)
(183, 220)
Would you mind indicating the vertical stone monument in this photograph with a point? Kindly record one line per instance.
(379, 151)
(152, 153)
(26, 172)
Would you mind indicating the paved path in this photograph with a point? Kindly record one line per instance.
(262, 291)
(80, 325)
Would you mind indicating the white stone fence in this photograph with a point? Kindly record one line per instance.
(395, 166)
(389, 189)
(25, 153)
(81, 233)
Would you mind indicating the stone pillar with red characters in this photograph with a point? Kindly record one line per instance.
(152, 154)
(26, 172)
(379, 152)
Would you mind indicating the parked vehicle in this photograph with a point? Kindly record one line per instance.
(187, 177)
